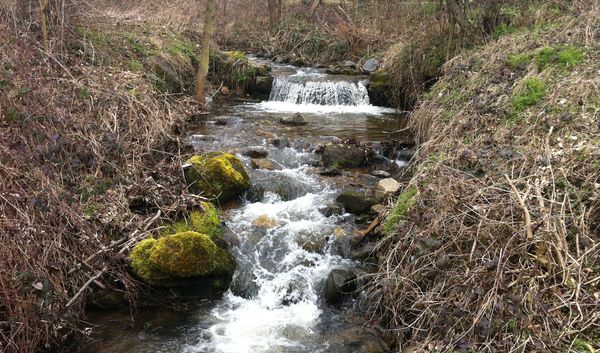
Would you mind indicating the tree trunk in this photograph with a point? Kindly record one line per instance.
(459, 15)
(271, 8)
(44, 24)
(211, 8)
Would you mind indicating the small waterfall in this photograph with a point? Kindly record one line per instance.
(330, 93)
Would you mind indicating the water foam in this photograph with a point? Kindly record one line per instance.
(284, 313)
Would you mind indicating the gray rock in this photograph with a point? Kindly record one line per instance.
(364, 252)
(329, 172)
(295, 120)
(370, 65)
(343, 156)
(332, 209)
(339, 283)
(356, 202)
(261, 86)
(167, 75)
(349, 64)
(387, 187)
(281, 142)
(255, 153)
(380, 174)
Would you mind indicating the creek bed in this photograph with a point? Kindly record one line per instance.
(286, 245)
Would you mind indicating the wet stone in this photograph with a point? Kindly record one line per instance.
(255, 153)
(295, 120)
(339, 284)
(380, 174)
(356, 202)
(262, 163)
(281, 142)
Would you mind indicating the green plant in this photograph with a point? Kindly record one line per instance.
(404, 203)
(533, 89)
(517, 61)
(502, 30)
(562, 56)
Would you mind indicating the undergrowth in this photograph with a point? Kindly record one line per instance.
(499, 252)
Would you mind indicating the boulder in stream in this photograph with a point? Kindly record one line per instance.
(340, 283)
(217, 175)
(294, 120)
(205, 219)
(356, 202)
(340, 155)
(262, 163)
(180, 260)
(256, 153)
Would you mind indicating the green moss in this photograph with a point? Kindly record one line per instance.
(12, 114)
(205, 221)
(217, 175)
(168, 260)
(183, 50)
(533, 90)
(136, 65)
(406, 200)
(560, 56)
(238, 55)
(503, 29)
(518, 61)
(583, 346)
(83, 93)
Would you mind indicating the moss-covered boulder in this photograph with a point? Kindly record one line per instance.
(379, 88)
(204, 220)
(180, 259)
(217, 175)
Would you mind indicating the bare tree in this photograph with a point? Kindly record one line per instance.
(211, 8)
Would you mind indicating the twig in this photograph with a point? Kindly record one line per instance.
(528, 227)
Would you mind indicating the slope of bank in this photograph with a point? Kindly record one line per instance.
(90, 164)
(494, 246)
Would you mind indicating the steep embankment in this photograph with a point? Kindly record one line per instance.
(494, 247)
(90, 163)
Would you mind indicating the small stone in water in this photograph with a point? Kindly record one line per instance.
(255, 153)
(265, 221)
(295, 120)
(281, 142)
(380, 174)
(262, 163)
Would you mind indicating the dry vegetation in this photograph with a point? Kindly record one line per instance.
(499, 249)
(499, 252)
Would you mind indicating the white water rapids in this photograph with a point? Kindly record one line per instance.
(281, 316)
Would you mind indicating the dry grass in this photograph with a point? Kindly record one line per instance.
(88, 165)
(501, 251)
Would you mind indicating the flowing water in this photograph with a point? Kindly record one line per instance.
(276, 302)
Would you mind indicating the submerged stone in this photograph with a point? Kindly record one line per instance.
(217, 175)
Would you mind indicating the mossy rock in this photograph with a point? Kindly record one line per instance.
(176, 260)
(205, 221)
(379, 88)
(217, 175)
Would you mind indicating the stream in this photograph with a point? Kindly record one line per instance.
(285, 244)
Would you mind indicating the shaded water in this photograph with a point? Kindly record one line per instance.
(276, 302)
